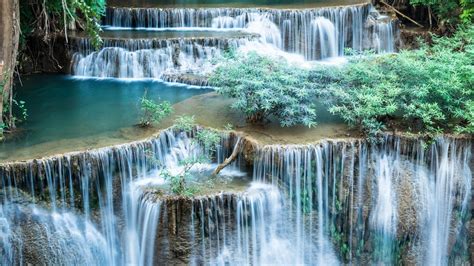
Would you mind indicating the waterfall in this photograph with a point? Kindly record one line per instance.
(449, 180)
(384, 39)
(384, 217)
(382, 32)
(92, 197)
(269, 32)
(312, 34)
(292, 30)
(395, 190)
(323, 36)
(148, 58)
(6, 251)
(337, 201)
(259, 219)
(302, 171)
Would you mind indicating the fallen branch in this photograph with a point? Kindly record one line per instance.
(401, 14)
(230, 159)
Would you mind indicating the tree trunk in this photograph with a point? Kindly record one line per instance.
(9, 38)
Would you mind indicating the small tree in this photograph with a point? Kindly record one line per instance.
(265, 87)
(153, 112)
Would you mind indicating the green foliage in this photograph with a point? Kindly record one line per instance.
(450, 12)
(92, 11)
(178, 184)
(185, 123)
(45, 17)
(427, 91)
(153, 112)
(264, 87)
(208, 139)
(23, 111)
(430, 89)
(467, 14)
(229, 127)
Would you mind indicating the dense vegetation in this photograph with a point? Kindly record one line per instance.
(153, 111)
(45, 18)
(264, 87)
(447, 12)
(428, 90)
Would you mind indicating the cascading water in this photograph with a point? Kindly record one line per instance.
(393, 190)
(95, 189)
(295, 28)
(324, 34)
(327, 203)
(311, 34)
(148, 58)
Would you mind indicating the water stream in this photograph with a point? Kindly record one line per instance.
(337, 202)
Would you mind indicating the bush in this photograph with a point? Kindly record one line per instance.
(449, 12)
(185, 123)
(153, 112)
(430, 90)
(264, 87)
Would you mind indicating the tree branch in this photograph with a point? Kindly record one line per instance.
(401, 14)
(229, 160)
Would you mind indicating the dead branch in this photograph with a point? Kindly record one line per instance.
(401, 14)
(230, 159)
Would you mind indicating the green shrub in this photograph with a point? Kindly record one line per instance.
(264, 87)
(449, 12)
(46, 17)
(185, 123)
(178, 184)
(430, 90)
(206, 138)
(153, 112)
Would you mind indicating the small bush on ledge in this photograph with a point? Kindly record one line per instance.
(265, 87)
(153, 112)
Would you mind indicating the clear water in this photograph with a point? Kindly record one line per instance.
(62, 107)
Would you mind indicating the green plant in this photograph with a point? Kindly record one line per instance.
(265, 87)
(23, 111)
(229, 127)
(153, 112)
(428, 91)
(207, 138)
(447, 12)
(185, 123)
(46, 17)
(178, 184)
(467, 14)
